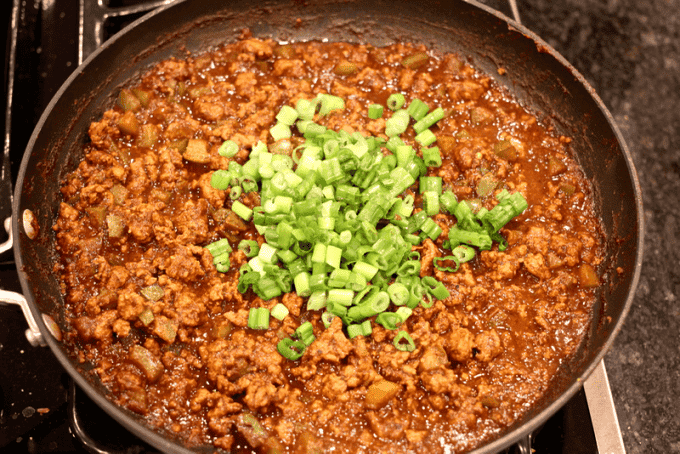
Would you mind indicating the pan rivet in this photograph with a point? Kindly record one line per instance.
(30, 224)
(52, 326)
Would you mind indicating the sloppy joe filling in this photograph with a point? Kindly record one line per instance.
(168, 333)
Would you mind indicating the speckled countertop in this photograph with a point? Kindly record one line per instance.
(630, 52)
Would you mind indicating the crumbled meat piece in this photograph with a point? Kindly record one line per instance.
(191, 310)
(96, 328)
(536, 265)
(130, 305)
(183, 265)
(332, 345)
(167, 333)
(459, 344)
(488, 345)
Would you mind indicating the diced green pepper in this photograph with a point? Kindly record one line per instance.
(97, 214)
(146, 317)
(148, 135)
(505, 150)
(153, 292)
(122, 153)
(143, 96)
(115, 225)
(165, 328)
(120, 193)
(416, 60)
(587, 276)
(480, 115)
(222, 330)
(197, 151)
(161, 195)
(380, 393)
(555, 166)
(567, 188)
(145, 360)
(179, 145)
(128, 101)
(128, 123)
(345, 68)
(486, 185)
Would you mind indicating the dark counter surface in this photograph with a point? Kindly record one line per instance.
(630, 52)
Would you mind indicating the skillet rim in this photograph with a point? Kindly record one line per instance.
(521, 428)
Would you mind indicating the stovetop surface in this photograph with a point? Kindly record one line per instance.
(629, 51)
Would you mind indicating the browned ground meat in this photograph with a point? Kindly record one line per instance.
(168, 334)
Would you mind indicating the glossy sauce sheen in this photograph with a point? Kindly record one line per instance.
(482, 356)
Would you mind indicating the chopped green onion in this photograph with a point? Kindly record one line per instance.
(417, 109)
(305, 333)
(280, 131)
(228, 149)
(327, 318)
(426, 138)
(340, 296)
(397, 123)
(435, 288)
(219, 247)
(432, 157)
(302, 286)
(403, 313)
(431, 228)
(243, 211)
(431, 202)
(316, 301)
(222, 262)
(375, 304)
(333, 256)
(393, 143)
(354, 331)
(330, 103)
(398, 293)
(395, 101)
(338, 227)
(305, 109)
(429, 120)
(403, 342)
(249, 247)
(375, 111)
(267, 253)
(258, 318)
(463, 253)
(220, 179)
(365, 269)
(290, 349)
(452, 258)
(389, 320)
(449, 201)
(363, 329)
(287, 115)
(480, 239)
(279, 311)
(235, 192)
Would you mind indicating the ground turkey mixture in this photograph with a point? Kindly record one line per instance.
(168, 334)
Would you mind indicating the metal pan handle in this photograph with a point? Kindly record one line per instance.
(603, 412)
(33, 333)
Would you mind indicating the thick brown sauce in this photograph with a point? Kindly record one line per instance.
(530, 298)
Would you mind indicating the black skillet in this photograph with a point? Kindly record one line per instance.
(537, 75)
